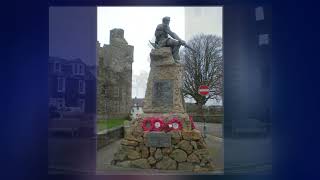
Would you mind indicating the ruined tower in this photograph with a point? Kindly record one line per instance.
(117, 59)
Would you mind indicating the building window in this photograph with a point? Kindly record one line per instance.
(61, 87)
(82, 86)
(259, 13)
(263, 39)
(59, 103)
(109, 106)
(57, 67)
(114, 106)
(74, 69)
(82, 103)
(78, 69)
(81, 69)
(116, 92)
(118, 76)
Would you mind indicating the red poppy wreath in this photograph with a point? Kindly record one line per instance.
(147, 124)
(158, 124)
(174, 124)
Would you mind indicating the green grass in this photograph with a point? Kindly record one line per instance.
(108, 124)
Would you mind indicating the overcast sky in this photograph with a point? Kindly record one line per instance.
(139, 24)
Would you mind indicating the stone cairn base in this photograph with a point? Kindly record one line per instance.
(188, 151)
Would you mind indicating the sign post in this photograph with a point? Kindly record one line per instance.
(203, 91)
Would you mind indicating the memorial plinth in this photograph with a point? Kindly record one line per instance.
(172, 144)
(163, 94)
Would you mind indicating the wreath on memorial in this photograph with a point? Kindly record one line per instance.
(174, 124)
(158, 124)
(147, 124)
(152, 124)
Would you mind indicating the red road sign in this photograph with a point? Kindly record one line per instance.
(203, 90)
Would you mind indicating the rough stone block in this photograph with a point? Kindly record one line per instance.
(167, 164)
(124, 164)
(158, 154)
(152, 150)
(186, 146)
(161, 56)
(191, 135)
(144, 152)
(132, 154)
(194, 144)
(200, 169)
(126, 148)
(129, 143)
(185, 166)
(193, 158)
(179, 155)
(140, 163)
(152, 160)
(167, 150)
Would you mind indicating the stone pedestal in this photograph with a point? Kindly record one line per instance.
(163, 94)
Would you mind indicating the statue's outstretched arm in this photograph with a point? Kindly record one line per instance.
(174, 35)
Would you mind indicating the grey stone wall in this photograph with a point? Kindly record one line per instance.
(118, 59)
(109, 136)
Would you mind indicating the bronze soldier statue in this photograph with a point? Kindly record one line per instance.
(162, 39)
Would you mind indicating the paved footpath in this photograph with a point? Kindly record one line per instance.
(214, 141)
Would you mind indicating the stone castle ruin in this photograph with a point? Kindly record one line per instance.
(117, 57)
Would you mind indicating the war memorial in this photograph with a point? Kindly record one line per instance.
(164, 137)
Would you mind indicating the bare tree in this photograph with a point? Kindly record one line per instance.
(203, 66)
